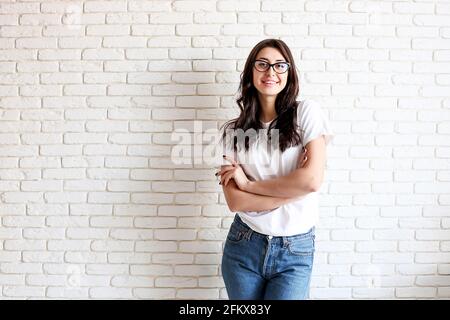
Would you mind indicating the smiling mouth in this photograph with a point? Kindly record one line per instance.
(269, 82)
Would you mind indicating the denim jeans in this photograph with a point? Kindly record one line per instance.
(260, 267)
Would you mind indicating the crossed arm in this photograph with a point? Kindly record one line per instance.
(269, 194)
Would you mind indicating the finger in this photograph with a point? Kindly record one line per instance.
(302, 156)
(227, 179)
(225, 176)
(223, 170)
(233, 162)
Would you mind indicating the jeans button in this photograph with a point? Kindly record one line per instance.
(270, 237)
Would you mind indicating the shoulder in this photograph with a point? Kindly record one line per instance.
(307, 108)
(308, 104)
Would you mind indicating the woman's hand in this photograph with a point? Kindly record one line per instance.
(302, 158)
(233, 171)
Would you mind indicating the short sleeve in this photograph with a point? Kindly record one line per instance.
(313, 122)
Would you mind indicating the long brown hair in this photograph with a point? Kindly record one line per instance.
(286, 103)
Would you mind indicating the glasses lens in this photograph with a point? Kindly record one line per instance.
(261, 65)
(281, 67)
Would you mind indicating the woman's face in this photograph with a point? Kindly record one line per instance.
(269, 83)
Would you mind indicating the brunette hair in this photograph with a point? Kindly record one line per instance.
(286, 103)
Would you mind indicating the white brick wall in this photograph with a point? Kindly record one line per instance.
(91, 205)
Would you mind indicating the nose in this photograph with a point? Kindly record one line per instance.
(270, 71)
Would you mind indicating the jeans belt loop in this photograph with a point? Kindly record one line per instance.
(285, 242)
(248, 234)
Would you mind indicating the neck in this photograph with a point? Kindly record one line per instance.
(268, 112)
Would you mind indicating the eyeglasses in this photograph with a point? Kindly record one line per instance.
(278, 67)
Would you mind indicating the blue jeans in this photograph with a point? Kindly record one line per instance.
(260, 267)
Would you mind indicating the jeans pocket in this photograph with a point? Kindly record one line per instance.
(235, 235)
(302, 247)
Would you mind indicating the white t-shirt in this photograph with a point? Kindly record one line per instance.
(260, 163)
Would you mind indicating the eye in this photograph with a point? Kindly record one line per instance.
(261, 64)
(281, 66)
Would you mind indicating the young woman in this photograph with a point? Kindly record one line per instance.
(269, 249)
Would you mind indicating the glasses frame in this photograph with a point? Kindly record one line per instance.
(271, 65)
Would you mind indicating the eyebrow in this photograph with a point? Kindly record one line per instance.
(269, 60)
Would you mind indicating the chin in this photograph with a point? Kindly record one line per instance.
(269, 92)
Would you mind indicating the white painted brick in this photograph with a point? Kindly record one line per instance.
(212, 234)
(345, 42)
(12, 279)
(375, 223)
(10, 233)
(151, 270)
(168, 41)
(378, 199)
(70, 292)
(197, 101)
(138, 210)
(213, 42)
(111, 293)
(332, 270)
(212, 17)
(19, 221)
(380, 293)
(203, 247)
(173, 258)
(92, 280)
(351, 234)
(173, 187)
(199, 30)
(278, 29)
(198, 222)
(348, 281)
(46, 233)
(180, 210)
(196, 270)
(20, 267)
(334, 246)
(198, 293)
(130, 282)
(39, 256)
(175, 234)
(186, 198)
(330, 293)
(155, 293)
(108, 197)
(350, 188)
(24, 291)
(193, 77)
(46, 280)
(155, 246)
(208, 258)
(389, 257)
(398, 188)
(372, 269)
(376, 246)
(152, 198)
(84, 257)
(21, 31)
(173, 89)
(129, 257)
(415, 292)
(214, 65)
(126, 162)
(86, 233)
(102, 6)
